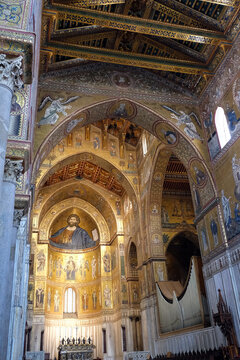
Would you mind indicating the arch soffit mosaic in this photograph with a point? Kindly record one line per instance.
(50, 195)
(150, 117)
(156, 123)
(206, 189)
(56, 210)
(160, 161)
(96, 160)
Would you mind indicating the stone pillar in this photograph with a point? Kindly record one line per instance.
(139, 333)
(12, 171)
(22, 321)
(10, 79)
(20, 236)
(134, 333)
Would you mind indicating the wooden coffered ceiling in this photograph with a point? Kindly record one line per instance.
(176, 178)
(89, 171)
(181, 40)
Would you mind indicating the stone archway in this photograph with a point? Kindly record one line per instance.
(180, 249)
(165, 129)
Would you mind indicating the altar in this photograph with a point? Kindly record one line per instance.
(76, 349)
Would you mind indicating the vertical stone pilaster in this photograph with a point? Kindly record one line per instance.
(12, 172)
(10, 79)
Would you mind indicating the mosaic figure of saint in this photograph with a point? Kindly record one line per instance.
(41, 260)
(236, 213)
(226, 210)
(39, 297)
(58, 267)
(85, 269)
(112, 149)
(204, 239)
(50, 266)
(214, 230)
(121, 111)
(70, 269)
(72, 236)
(15, 117)
(107, 296)
(96, 143)
(94, 299)
(106, 262)
(56, 301)
(94, 267)
(170, 136)
(49, 300)
(200, 176)
(85, 300)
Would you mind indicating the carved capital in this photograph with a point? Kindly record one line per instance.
(11, 72)
(17, 216)
(13, 170)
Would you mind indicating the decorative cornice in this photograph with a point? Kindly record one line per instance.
(227, 258)
(13, 170)
(11, 72)
(18, 214)
(214, 202)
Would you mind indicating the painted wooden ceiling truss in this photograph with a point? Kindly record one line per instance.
(176, 178)
(183, 40)
(89, 171)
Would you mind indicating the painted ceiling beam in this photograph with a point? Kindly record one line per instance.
(174, 45)
(138, 25)
(125, 58)
(205, 20)
(221, 2)
(85, 3)
(85, 30)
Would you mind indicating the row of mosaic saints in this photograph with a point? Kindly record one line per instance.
(73, 237)
(79, 269)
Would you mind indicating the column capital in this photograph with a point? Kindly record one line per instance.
(17, 216)
(13, 170)
(11, 72)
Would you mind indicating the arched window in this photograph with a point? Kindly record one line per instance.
(70, 301)
(144, 144)
(133, 262)
(222, 127)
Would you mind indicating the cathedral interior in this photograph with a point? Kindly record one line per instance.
(119, 179)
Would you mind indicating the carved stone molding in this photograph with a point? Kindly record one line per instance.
(23, 229)
(221, 262)
(13, 170)
(11, 72)
(18, 214)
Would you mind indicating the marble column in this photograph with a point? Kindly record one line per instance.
(23, 319)
(19, 239)
(12, 172)
(10, 79)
